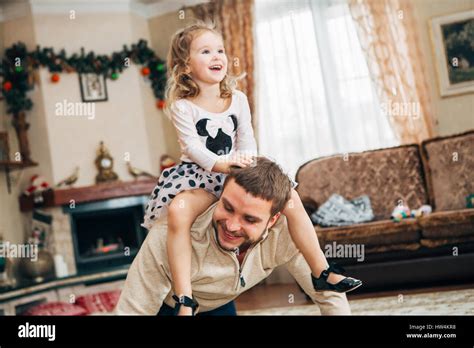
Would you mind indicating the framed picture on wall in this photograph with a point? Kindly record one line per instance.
(453, 45)
(93, 87)
(4, 149)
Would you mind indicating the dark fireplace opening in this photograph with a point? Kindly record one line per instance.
(107, 233)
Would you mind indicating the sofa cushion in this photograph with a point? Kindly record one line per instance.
(449, 164)
(448, 224)
(386, 176)
(384, 233)
(56, 308)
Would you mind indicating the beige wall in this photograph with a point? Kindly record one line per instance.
(455, 114)
(128, 122)
(11, 223)
(155, 120)
(161, 30)
(3, 194)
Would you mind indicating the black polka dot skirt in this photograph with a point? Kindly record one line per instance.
(182, 177)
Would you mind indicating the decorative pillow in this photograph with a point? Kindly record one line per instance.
(56, 308)
(102, 302)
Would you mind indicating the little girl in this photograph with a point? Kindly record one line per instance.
(213, 124)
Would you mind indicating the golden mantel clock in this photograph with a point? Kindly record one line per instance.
(104, 163)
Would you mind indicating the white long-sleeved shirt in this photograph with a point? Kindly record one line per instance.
(204, 136)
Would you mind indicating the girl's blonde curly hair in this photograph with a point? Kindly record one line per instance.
(180, 83)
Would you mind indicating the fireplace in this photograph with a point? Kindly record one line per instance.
(106, 233)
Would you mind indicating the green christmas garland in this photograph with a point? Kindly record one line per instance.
(18, 65)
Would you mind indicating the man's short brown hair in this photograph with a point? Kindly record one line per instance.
(264, 179)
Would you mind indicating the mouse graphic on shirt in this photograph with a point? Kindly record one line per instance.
(218, 132)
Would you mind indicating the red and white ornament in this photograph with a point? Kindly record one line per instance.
(37, 184)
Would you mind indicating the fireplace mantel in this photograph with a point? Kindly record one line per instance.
(58, 197)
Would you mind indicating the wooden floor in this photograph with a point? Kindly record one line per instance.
(268, 296)
(281, 295)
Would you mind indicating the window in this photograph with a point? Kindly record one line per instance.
(314, 93)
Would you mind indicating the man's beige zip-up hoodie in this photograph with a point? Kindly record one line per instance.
(216, 276)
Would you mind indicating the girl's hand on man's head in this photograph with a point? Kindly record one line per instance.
(236, 160)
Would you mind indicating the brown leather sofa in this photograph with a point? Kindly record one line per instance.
(433, 250)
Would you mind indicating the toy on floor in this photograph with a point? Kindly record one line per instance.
(401, 212)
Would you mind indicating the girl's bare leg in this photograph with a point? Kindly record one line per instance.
(182, 212)
(304, 236)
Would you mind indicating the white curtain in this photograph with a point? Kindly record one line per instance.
(313, 91)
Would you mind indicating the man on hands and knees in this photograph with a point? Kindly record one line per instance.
(237, 242)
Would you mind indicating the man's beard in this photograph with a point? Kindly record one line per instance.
(245, 244)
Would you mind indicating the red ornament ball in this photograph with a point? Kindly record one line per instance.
(55, 78)
(160, 104)
(145, 71)
(7, 85)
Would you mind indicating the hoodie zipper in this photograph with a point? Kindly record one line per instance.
(241, 277)
(241, 266)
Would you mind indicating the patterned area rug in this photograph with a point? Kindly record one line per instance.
(458, 302)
